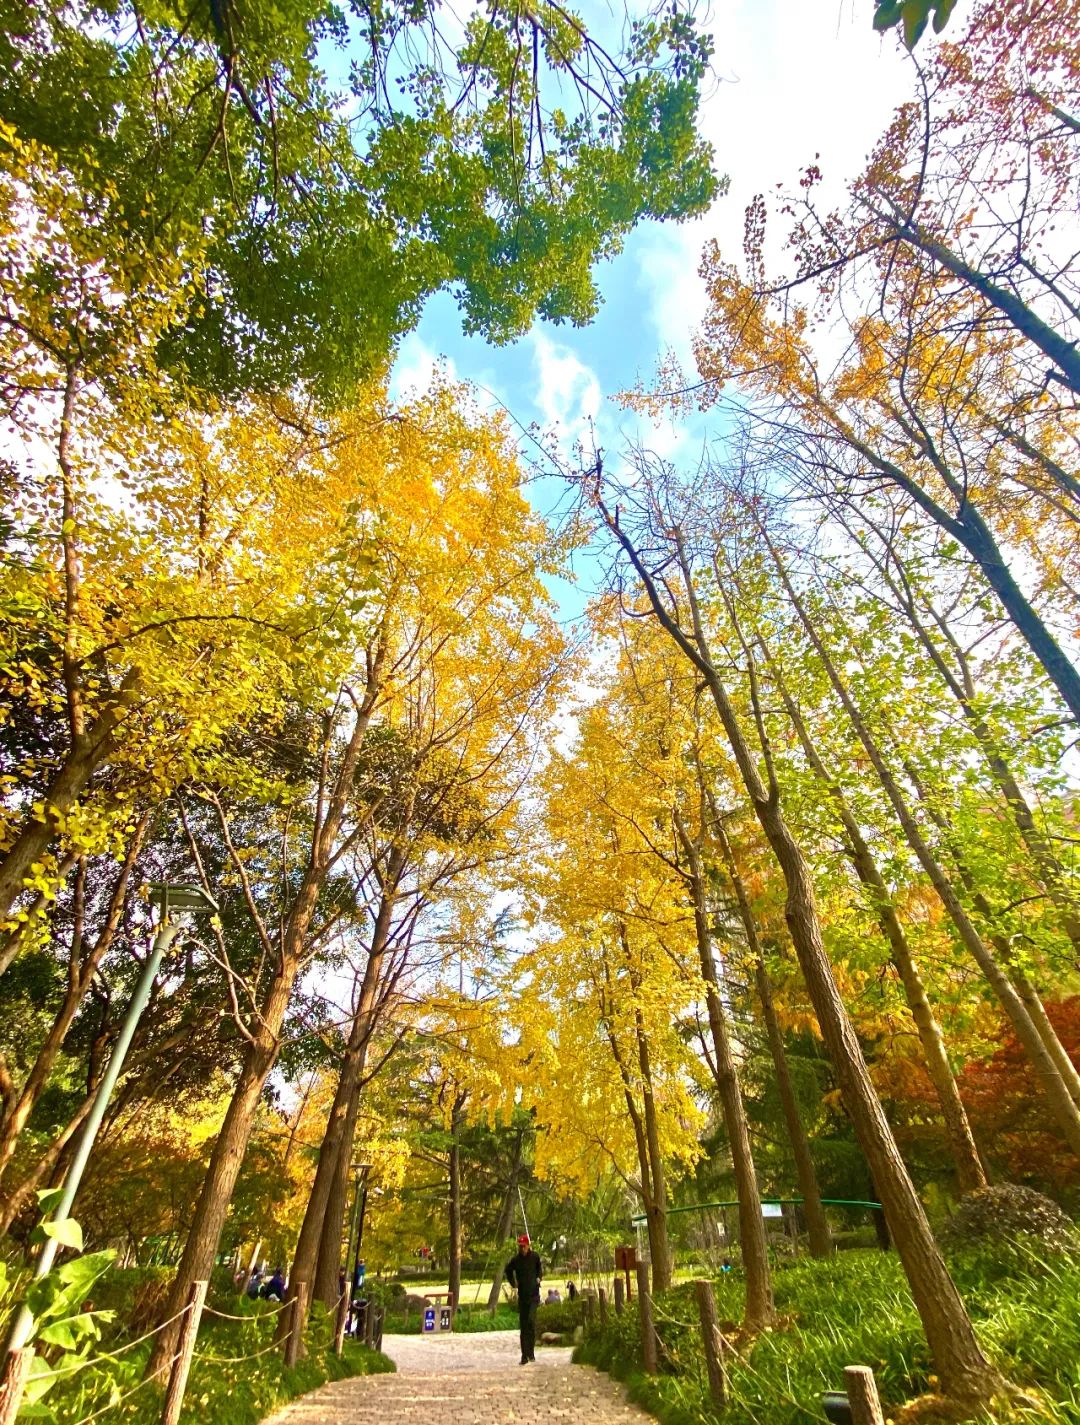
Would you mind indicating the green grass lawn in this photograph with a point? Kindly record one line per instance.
(854, 1309)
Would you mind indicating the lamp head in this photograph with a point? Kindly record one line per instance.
(182, 898)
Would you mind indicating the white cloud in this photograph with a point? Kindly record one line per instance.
(415, 367)
(795, 82)
(568, 394)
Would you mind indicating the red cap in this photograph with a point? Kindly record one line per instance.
(523, 1240)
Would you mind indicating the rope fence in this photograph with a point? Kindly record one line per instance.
(285, 1340)
(108, 1355)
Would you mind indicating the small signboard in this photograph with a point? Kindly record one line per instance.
(445, 1318)
(429, 1318)
(626, 1259)
(771, 1209)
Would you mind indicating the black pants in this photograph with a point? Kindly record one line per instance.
(527, 1323)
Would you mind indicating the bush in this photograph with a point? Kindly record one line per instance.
(996, 1214)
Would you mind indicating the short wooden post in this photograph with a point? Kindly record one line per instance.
(620, 1296)
(589, 1305)
(863, 1396)
(369, 1322)
(377, 1328)
(648, 1331)
(342, 1320)
(185, 1349)
(713, 1342)
(297, 1310)
(16, 1368)
(601, 1299)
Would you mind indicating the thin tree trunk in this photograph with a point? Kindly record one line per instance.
(81, 970)
(759, 1310)
(816, 1222)
(1024, 988)
(964, 1371)
(655, 1210)
(454, 1204)
(337, 1139)
(201, 1246)
(961, 683)
(970, 1171)
(506, 1217)
(1046, 1069)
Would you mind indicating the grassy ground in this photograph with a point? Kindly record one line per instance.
(237, 1378)
(854, 1309)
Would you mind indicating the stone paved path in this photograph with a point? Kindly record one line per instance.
(468, 1380)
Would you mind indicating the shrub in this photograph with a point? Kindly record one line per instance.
(995, 1214)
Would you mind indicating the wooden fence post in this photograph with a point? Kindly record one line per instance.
(185, 1349)
(648, 1331)
(620, 1296)
(16, 1368)
(863, 1396)
(369, 1323)
(713, 1342)
(342, 1320)
(377, 1328)
(601, 1298)
(294, 1340)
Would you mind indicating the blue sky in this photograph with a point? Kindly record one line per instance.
(794, 79)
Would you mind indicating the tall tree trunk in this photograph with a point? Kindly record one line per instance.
(1023, 986)
(1057, 1091)
(970, 1171)
(759, 1310)
(816, 1223)
(961, 683)
(506, 1217)
(454, 1200)
(655, 1207)
(964, 1371)
(223, 1169)
(336, 1146)
(331, 1239)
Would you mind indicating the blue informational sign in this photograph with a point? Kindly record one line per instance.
(429, 1318)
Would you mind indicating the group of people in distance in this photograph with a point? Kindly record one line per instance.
(266, 1288)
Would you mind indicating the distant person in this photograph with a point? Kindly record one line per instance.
(359, 1274)
(525, 1273)
(554, 1297)
(274, 1290)
(571, 1291)
(725, 1265)
(254, 1285)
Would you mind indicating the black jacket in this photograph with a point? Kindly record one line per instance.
(524, 1271)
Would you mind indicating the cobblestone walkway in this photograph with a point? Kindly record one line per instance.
(468, 1380)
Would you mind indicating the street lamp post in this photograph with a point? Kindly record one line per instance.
(172, 900)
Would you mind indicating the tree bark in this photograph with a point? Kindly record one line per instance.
(964, 1371)
(759, 1310)
(816, 1223)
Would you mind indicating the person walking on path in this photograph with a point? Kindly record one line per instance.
(526, 1273)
